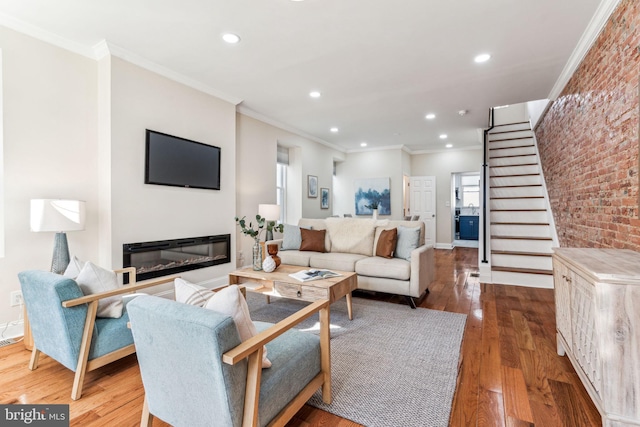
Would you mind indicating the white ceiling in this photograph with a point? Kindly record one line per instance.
(380, 65)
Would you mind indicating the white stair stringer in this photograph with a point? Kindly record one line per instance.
(521, 234)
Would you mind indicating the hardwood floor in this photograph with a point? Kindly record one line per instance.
(510, 374)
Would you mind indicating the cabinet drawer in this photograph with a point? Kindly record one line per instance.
(303, 292)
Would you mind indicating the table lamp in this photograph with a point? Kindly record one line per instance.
(271, 213)
(59, 216)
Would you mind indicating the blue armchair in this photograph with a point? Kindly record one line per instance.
(64, 326)
(196, 372)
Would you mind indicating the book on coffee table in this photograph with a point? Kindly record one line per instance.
(313, 274)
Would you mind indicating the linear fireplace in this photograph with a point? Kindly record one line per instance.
(164, 257)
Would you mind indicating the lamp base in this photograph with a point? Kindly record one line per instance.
(60, 259)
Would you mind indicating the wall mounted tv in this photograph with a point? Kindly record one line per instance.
(179, 162)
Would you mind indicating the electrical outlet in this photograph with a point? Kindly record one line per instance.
(16, 298)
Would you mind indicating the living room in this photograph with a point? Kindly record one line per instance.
(77, 124)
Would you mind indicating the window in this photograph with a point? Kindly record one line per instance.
(281, 182)
(470, 191)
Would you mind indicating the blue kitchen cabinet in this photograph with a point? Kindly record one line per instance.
(469, 227)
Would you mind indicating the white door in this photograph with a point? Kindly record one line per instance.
(423, 203)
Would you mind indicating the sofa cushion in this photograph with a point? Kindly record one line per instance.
(316, 224)
(291, 238)
(408, 240)
(190, 293)
(312, 240)
(335, 261)
(393, 268)
(351, 235)
(94, 279)
(387, 243)
(300, 258)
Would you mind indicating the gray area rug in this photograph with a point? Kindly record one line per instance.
(391, 365)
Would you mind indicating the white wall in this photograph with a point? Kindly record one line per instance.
(142, 212)
(256, 173)
(442, 165)
(50, 151)
(371, 164)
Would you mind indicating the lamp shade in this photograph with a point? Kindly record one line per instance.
(269, 212)
(57, 215)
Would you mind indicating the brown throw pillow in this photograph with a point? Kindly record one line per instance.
(312, 240)
(387, 243)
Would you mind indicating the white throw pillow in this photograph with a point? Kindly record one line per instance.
(230, 301)
(190, 293)
(74, 268)
(92, 280)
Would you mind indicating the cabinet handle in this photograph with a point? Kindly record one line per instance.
(299, 294)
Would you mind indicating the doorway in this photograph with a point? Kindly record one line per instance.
(465, 209)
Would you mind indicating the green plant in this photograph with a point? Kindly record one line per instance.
(373, 205)
(261, 225)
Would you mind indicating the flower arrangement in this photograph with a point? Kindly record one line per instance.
(261, 225)
(373, 205)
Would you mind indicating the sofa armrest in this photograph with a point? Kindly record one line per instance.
(423, 269)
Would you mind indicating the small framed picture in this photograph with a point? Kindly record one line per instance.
(324, 198)
(312, 186)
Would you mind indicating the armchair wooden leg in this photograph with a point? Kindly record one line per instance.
(83, 357)
(35, 355)
(325, 353)
(147, 418)
(252, 391)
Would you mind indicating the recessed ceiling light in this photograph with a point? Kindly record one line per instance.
(363, 144)
(443, 136)
(230, 38)
(449, 145)
(332, 129)
(430, 116)
(314, 94)
(484, 57)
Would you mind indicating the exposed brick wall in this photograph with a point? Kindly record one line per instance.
(588, 141)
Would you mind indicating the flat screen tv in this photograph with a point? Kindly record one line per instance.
(179, 162)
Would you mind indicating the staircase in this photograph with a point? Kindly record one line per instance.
(520, 229)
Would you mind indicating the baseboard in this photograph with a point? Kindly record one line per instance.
(447, 246)
(13, 329)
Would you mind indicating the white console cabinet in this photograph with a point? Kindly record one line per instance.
(597, 294)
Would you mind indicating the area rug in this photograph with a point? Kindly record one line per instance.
(391, 365)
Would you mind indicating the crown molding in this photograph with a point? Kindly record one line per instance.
(591, 33)
(251, 113)
(387, 147)
(45, 36)
(117, 51)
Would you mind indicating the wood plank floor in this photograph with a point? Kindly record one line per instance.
(510, 373)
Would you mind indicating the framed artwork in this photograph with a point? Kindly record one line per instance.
(324, 198)
(312, 186)
(372, 192)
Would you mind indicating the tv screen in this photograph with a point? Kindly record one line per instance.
(179, 162)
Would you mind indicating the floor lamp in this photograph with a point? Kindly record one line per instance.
(59, 216)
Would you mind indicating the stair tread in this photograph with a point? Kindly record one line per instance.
(511, 166)
(520, 237)
(515, 186)
(517, 197)
(510, 139)
(522, 253)
(515, 175)
(518, 210)
(522, 270)
(511, 131)
(518, 223)
(512, 146)
(511, 124)
(510, 156)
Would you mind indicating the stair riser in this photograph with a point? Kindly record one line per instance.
(496, 137)
(518, 204)
(519, 151)
(534, 216)
(521, 230)
(516, 180)
(506, 128)
(522, 279)
(522, 261)
(521, 245)
(514, 170)
(513, 161)
(517, 192)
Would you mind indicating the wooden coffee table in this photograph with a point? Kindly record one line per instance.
(280, 284)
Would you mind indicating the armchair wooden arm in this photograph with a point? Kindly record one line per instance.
(253, 348)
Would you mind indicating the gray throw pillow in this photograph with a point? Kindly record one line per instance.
(408, 240)
(291, 238)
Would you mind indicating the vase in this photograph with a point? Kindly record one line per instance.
(257, 256)
(375, 213)
(273, 251)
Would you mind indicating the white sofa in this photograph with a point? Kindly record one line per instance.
(350, 245)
